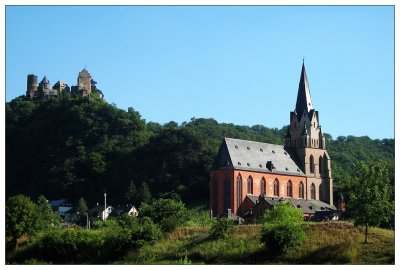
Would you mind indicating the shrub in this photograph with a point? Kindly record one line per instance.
(280, 238)
(221, 229)
(283, 228)
(145, 232)
(168, 213)
(69, 246)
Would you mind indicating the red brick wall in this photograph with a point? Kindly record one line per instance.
(256, 177)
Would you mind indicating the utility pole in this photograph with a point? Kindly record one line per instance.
(105, 206)
(87, 221)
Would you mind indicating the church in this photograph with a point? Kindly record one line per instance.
(247, 176)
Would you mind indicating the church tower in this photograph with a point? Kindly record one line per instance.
(306, 137)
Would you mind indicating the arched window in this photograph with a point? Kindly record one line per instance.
(311, 164)
(238, 191)
(321, 195)
(289, 189)
(276, 187)
(301, 190)
(263, 187)
(249, 185)
(312, 188)
(215, 195)
(227, 193)
(321, 166)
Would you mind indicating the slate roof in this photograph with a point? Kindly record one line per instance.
(256, 156)
(306, 206)
(98, 208)
(303, 102)
(45, 80)
(84, 73)
(57, 203)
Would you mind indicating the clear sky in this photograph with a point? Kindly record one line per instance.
(236, 64)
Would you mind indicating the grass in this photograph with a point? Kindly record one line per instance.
(326, 243)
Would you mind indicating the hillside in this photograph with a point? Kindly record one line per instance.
(326, 243)
(83, 147)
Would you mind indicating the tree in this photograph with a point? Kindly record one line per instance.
(21, 217)
(46, 216)
(144, 193)
(283, 228)
(369, 197)
(131, 194)
(82, 206)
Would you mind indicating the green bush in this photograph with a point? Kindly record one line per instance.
(220, 229)
(280, 238)
(69, 246)
(145, 232)
(282, 229)
(167, 212)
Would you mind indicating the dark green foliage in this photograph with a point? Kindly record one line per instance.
(220, 229)
(144, 193)
(346, 151)
(109, 241)
(280, 238)
(80, 147)
(64, 148)
(82, 206)
(146, 232)
(73, 246)
(166, 212)
(370, 199)
(283, 229)
(21, 217)
(46, 216)
(131, 193)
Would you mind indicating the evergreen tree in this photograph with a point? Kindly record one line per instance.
(145, 194)
(132, 193)
(82, 206)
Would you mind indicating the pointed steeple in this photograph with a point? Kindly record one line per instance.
(303, 102)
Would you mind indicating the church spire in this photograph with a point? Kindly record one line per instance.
(303, 102)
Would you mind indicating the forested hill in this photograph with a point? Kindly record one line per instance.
(82, 147)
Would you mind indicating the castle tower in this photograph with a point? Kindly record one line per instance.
(31, 86)
(84, 83)
(45, 83)
(306, 137)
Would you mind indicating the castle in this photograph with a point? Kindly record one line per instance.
(247, 177)
(42, 91)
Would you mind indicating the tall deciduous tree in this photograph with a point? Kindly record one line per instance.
(369, 197)
(46, 216)
(21, 217)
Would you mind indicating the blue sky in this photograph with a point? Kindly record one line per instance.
(236, 64)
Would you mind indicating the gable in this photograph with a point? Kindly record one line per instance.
(223, 159)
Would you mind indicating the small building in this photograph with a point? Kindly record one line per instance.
(259, 204)
(62, 206)
(128, 209)
(98, 212)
